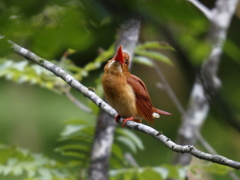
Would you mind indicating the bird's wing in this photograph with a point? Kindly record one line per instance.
(143, 100)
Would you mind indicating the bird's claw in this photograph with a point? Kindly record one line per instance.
(125, 121)
(117, 118)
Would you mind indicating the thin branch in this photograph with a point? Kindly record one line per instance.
(207, 83)
(111, 112)
(204, 143)
(181, 110)
(210, 149)
(233, 175)
(207, 12)
(73, 99)
(169, 90)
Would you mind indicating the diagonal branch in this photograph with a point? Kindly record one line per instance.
(181, 110)
(75, 101)
(105, 128)
(111, 112)
(207, 12)
(207, 83)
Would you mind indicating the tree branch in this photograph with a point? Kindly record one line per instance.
(80, 105)
(104, 133)
(111, 112)
(207, 83)
(207, 12)
(181, 110)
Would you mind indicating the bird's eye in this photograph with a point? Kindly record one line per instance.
(126, 61)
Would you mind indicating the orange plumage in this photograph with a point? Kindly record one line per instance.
(127, 93)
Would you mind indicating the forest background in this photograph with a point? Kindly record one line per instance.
(44, 134)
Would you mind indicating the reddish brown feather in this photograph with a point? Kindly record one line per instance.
(120, 83)
(143, 100)
(160, 111)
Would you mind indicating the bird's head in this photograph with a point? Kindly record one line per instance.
(119, 62)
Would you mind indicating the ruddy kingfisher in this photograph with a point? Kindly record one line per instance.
(127, 93)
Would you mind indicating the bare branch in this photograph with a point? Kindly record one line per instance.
(207, 83)
(111, 112)
(181, 110)
(207, 12)
(169, 90)
(80, 105)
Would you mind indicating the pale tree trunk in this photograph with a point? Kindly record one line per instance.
(207, 82)
(104, 133)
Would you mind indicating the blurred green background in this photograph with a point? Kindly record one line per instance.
(32, 117)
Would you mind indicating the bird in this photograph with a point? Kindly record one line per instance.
(127, 93)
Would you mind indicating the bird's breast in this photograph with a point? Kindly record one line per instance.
(119, 94)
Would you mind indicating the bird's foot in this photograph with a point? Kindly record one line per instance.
(125, 121)
(117, 118)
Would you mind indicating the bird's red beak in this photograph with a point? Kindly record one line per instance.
(119, 56)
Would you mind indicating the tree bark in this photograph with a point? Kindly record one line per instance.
(207, 83)
(104, 133)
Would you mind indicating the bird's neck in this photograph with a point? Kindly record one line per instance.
(113, 66)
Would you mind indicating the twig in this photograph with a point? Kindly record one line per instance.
(80, 105)
(111, 112)
(169, 90)
(202, 8)
(204, 143)
(210, 149)
(180, 108)
(207, 83)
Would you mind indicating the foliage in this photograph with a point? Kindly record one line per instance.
(77, 138)
(144, 56)
(31, 166)
(16, 162)
(142, 49)
(23, 71)
(77, 135)
(52, 29)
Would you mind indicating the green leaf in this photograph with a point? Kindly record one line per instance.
(128, 143)
(116, 150)
(143, 60)
(92, 66)
(154, 55)
(69, 147)
(21, 162)
(211, 168)
(105, 55)
(161, 170)
(132, 136)
(20, 66)
(149, 173)
(73, 154)
(70, 51)
(23, 71)
(71, 129)
(155, 45)
(172, 170)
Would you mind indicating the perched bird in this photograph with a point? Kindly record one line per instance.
(127, 93)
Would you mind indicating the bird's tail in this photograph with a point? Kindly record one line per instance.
(159, 112)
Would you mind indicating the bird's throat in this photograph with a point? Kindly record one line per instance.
(114, 66)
